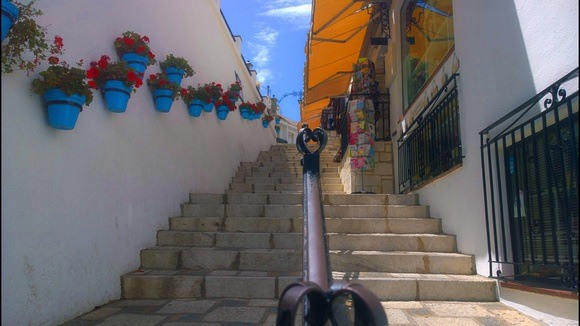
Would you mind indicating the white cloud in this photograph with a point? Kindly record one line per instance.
(262, 56)
(264, 75)
(295, 12)
(267, 35)
(291, 12)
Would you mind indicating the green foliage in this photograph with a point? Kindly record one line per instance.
(26, 45)
(190, 93)
(70, 80)
(177, 62)
(160, 80)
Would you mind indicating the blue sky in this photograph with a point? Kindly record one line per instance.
(274, 36)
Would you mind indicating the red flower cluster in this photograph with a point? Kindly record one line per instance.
(160, 80)
(131, 42)
(224, 100)
(260, 107)
(104, 70)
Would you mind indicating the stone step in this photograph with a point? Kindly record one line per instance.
(292, 199)
(296, 210)
(424, 287)
(280, 224)
(287, 260)
(296, 175)
(442, 243)
(269, 260)
(279, 188)
(289, 163)
(283, 180)
(402, 262)
(182, 284)
(352, 211)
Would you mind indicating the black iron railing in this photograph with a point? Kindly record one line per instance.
(431, 145)
(382, 118)
(323, 301)
(529, 161)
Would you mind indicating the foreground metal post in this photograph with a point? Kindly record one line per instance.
(323, 300)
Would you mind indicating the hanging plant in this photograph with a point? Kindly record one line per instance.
(27, 45)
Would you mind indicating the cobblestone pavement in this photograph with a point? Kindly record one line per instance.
(263, 312)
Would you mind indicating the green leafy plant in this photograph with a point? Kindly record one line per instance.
(235, 87)
(131, 42)
(190, 93)
(104, 70)
(160, 80)
(214, 90)
(27, 45)
(177, 62)
(70, 80)
(248, 105)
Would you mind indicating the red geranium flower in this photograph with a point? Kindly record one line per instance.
(128, 41)
(93, 72)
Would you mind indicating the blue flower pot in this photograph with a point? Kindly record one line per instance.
(207, 107)
(63, 110)
(222, 112)
(277, 120)
(245, 112)
(163, 99)
(265, 123)
(137, 62)
(116, 95)
(174, 75)
(10, 14)
(195, 108)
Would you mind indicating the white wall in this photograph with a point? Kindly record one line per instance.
(79, 205)
(508, 51)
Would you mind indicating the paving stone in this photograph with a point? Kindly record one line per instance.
(187, 306)
(396, 316)
(236, 314)
(401, 304)
(101, 313)
(132, 319)
(125, 303)
(447, 321)
(459, 309)
(514, 317)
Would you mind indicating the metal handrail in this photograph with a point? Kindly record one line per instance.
(323, 300)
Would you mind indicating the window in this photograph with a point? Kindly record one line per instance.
(427, 38)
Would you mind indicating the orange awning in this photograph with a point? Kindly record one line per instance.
(334, 44)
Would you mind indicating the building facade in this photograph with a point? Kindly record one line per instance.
(449, 71)
(79, 205)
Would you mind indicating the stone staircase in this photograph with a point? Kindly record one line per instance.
(247, 242)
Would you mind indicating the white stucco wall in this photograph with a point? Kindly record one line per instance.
(508, 51)
(79, 205)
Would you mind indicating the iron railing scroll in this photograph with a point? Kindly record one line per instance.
(323, 300)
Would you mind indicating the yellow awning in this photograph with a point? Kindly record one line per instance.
(334, 44)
